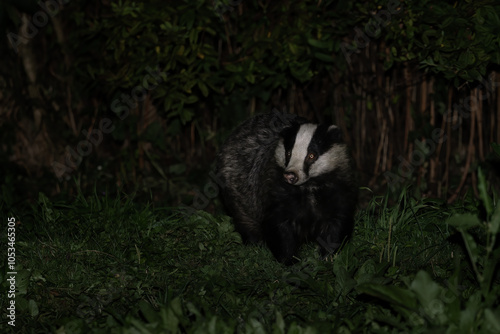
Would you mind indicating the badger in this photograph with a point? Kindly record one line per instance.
(286, 181)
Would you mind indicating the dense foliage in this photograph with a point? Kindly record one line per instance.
(173, 77)
(136, 96)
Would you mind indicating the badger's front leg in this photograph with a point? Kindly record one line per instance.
(333, 234)
(280, 237)
(247, 228)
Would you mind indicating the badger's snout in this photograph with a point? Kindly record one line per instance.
(291, 177)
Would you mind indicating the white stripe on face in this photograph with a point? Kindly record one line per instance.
(335, 158)
(299, 151)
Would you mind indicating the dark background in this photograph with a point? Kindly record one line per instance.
(136, 96)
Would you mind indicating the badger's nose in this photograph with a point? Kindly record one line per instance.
(291, 177)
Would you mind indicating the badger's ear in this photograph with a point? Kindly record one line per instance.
(335, 133)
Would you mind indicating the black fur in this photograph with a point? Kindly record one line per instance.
(291, 218)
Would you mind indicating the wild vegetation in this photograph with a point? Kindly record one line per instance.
(107, 265)
(111, 113)
(138, 95)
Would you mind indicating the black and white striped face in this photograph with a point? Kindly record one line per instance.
(310, 150)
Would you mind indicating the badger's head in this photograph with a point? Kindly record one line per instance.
(309, 150)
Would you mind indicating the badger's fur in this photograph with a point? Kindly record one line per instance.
(286, 181)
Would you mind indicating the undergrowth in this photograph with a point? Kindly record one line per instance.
(109, 265)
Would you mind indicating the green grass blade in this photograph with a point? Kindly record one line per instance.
(483, 192)
(494, 225)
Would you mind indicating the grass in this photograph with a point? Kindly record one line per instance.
(102, 264)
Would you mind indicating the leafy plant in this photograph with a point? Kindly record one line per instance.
(106, 263)
(459, 306)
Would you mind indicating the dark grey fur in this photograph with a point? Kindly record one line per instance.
(240, 163)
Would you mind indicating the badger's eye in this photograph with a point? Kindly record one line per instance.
(311, 156)
(288, 153)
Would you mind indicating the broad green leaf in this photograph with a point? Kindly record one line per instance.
(321, 44)
(193, 36)
(177, 169)
(280, 323)
(149, 312)
(449, 20)
(191, 99)
(22, 281)
(180, 50)
(425, 288)
(294, 48)
(492, 319)
(33, 308)
(468, 315)
(366, 272)
(191, 308)
(186, 116)
(140, 327)
(250, 77)
(203, 88)
(464, 221)
(466, 58)
(392, 294)
(173, 314)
